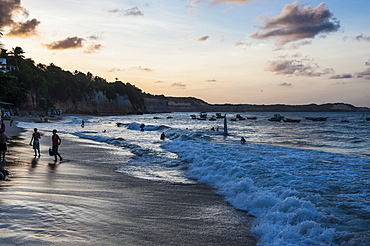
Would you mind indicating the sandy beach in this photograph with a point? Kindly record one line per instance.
(83, 201)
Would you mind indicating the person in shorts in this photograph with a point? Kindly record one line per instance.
(36, 141)
(56, 141)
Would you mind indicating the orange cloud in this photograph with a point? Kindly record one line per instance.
(297, 22)
(68, 43)
(24, 29)
(9, 9)
(203, 38)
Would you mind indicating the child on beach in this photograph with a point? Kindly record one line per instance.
(36, 141)
(3, 148)
(56, 141)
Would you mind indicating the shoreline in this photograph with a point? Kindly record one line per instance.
(83, 201)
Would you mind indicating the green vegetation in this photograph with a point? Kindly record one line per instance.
(47, 84)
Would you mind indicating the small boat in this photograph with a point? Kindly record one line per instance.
(156, 118)
(368, 118)
(316, 118)
(219, 116)
(239, 117)
(193, 116)
(169, 117)
(213, 118)
(119, 124)
(202, 116)
(277, 117)
(291, 120)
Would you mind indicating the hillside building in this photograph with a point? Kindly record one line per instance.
(4, 67)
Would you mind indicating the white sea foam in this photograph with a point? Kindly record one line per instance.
(271, 183)
(292, 178)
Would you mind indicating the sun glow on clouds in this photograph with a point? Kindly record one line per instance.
(237, 51)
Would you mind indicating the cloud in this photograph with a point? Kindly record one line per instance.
(361, 37)
(203, 38)
(341, 76)
(93, 48)
(95, 37)
(286, 84)
(365, 74)
(134, 11)
(138, 68)
(297, 22)
(298, 66)
(115, 69)
(296, 46)
(242, 44)
(68, 43)
(195, 2)
(11, 9)
(217, 2)
(24, 29)
(179, 85)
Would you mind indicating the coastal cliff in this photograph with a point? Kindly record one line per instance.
(190, 104)
(99, 103)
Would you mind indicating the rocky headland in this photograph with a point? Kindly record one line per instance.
(98, 103)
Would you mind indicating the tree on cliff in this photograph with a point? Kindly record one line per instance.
(15, 56)
(46, 85)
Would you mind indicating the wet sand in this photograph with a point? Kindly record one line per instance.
(83, 201)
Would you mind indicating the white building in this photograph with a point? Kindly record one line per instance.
(3, 67)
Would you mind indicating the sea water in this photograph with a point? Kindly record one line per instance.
(306, 183)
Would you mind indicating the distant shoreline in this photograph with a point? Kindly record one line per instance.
(190, 104)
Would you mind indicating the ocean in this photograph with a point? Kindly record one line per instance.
(306, 183)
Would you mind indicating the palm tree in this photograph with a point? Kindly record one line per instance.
(16, 55)
(3, 53)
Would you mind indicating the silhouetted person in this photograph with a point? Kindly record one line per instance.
(36, 141)
(142, 127)
(3, 148)
(242, 140)
(56, 141)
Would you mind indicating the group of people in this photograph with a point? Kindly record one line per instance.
(55, 140)
(35, 143)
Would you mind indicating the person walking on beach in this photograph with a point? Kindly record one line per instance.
(2, 126)
(36, 141)
(3, 148)
(56, 141)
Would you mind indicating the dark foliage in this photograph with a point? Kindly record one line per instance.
(51, 84)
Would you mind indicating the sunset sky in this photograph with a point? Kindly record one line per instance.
(221, 51)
